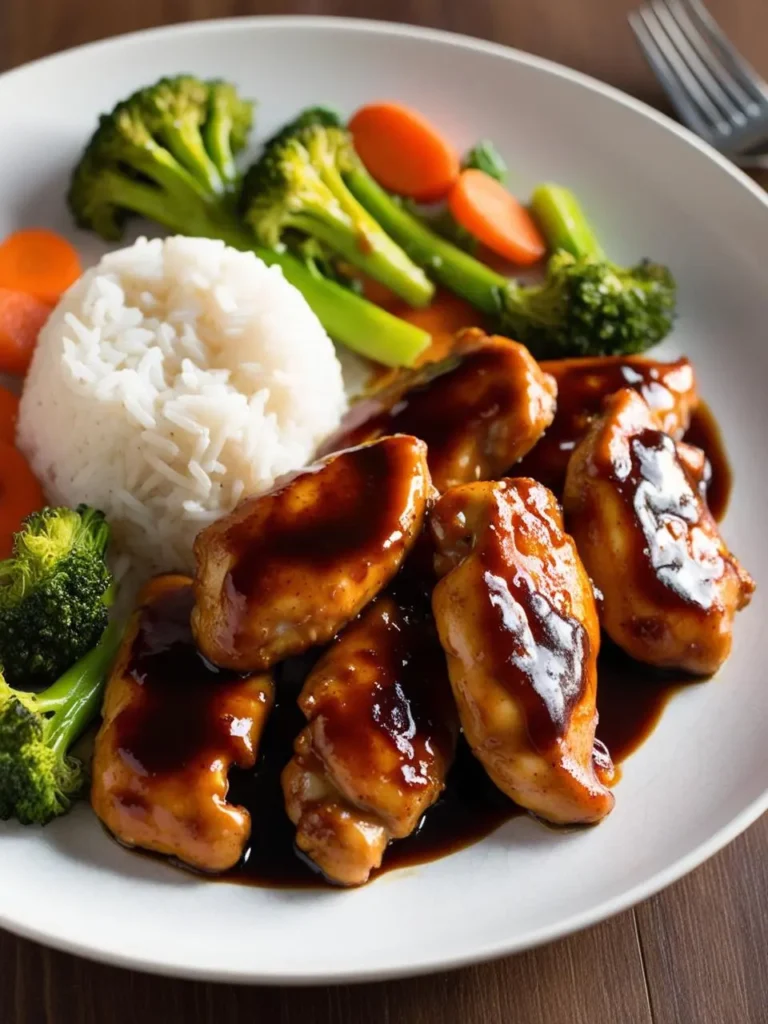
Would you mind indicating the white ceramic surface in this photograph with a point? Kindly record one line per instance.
(651, 188)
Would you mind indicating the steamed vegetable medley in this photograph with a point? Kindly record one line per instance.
(394, 240)
(330, 201)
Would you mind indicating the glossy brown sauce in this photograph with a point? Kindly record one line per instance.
(408, 707)
(355, 513)
(704, 433)
(352, 521)
(543, 655)
(451, 405)
(177, 721)
(655, 483)
(582, 386)
(631, 699)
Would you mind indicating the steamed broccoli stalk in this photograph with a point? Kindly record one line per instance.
(137, 165)
(39, 778)
(586, 306)
(562, 220)
(54, 592)
(152, 157)
(445, 262)
(298, 185)
(485, 157)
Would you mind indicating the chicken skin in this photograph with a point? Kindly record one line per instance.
(518, 622)
(381, 736)
(172, 728)
(582, 387)
(648, 540)
(288, 569)
(479, 411)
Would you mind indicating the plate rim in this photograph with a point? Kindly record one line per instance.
(576, 922)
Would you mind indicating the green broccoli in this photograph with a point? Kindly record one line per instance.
(54, 592)
(485, 157)
(39, 778)
(298, 185)
(168, 154)
(324, 117)
(587, 305)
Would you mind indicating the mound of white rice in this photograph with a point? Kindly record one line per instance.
(172, 379)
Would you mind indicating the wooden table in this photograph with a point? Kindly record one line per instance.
(695, 954)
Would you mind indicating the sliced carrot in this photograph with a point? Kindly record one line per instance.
(21, 317)
(9, 411)
(20, 494)
(38, 262)
(484, 207)
(404, 152)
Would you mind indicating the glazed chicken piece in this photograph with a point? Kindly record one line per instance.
(288, 569)
(517, 619)
(381, 736)
(582, 387)
(172, 728)
(635, 508)
(479, 411)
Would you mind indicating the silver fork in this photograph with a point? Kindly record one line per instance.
(712, 87)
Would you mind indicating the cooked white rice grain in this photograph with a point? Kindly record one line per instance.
(175, 377)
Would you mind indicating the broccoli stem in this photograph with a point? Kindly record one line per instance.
(371, 251)
(360, 325)
(186, 144)
(75, 698)
(367, 329)
(563, 222)
(218, 132)
(454, 269)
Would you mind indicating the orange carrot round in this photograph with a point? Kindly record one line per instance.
(9, 411)
(484, 207)
(21, 317)
(404, 152)
(20, 494)
(38, 262)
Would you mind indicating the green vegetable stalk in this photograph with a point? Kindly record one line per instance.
(39, 778)
(168, 152)
(587, 305)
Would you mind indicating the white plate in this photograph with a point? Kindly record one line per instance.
(651, 188)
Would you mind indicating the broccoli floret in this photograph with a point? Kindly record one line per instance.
(54, 591)
(323, 117)
(140, 162)
(39, 778)
(485, 157)
(166, 153)
(298, 186)
(587, 306)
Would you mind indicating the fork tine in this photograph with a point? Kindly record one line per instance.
(666, 74)
(740, 69)
(711, 58)
(713, 117)
(707, 68)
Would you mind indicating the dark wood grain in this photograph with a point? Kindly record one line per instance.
(694, 954)
(559, 984)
